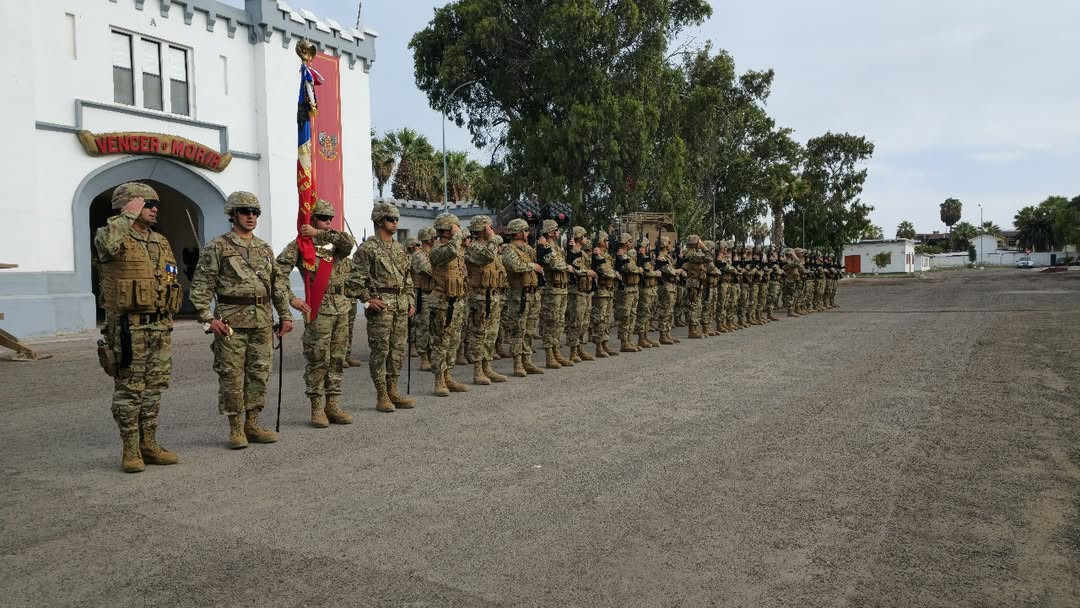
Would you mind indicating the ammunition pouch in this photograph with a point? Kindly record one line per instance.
(631, 279)
(107, 358)
(558, 279)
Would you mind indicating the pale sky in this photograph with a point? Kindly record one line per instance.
(975, 99)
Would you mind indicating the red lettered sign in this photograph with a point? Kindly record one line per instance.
(155, 144)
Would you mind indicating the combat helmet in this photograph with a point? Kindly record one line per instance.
(383, 210)
(241, 200)
(411, 242)
(446, 221)
(549, 226)
(125, 192)
(579, 232)
(323, 207)
(516, 226)
(479, 223)
(425, 234)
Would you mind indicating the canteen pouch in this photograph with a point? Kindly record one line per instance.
(145, 294)
(107, 358)
(125, 295)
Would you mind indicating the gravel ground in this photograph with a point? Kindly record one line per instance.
(919, 446)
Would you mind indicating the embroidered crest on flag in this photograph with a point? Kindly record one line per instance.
(328, 145)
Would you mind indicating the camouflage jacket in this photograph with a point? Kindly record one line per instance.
(420, 264)
(230, 267)
(109, 244)
(380, 265)
(329, 244)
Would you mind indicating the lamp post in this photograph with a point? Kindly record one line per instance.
(977, 235)
(445, 180)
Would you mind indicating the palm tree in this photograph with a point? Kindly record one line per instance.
(950, 211)
(962, 235)
(414, 153)
(1036, 227)
(905, 230)
(759, 233)
(383, 161)
(784, 188)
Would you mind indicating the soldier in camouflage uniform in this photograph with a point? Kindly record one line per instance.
(695, 259)
(819, 285)
(792, 268)
(420, 268)
(237, 271)
(603, 296)
(665, 306)
(411, 245)
(487, 286)
(381, 279)
(711, 294)
(326, 333)
(553, 294)
(448, 303)
(775, 277)
(742, 293)
(140, 294)
(522, 275)
(626, 296)
(650, 280)
(836, 272)
(579, 296)
(727, 273)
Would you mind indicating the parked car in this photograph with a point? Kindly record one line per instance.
(1025, 262)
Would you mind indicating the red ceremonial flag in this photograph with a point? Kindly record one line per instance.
(315, 282)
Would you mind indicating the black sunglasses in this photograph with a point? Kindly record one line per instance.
(248, 211)
(390, 219)
(324, 218)
(150, 203)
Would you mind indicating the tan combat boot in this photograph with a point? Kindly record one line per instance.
(563, 361)
(256, 433)
(610, 351)
(318, 413)
(772, 317)
(382, 398)
(425, 362)
(574, 356)
(130, 458)
(694, 332)
(584, 356)
(666, 338)
(626, 347)
(151, 452)
(550, 361)
(654, 343)
(440, 385)
(600, 352)
(519, 367)
(237, 440)
(334, 413)
(352, 362)
(490, 372)
(400, 401)
(478, 375)
(643, 342)
(526, 362)
(454, 385)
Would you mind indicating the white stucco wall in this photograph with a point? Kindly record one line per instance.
(903, 255)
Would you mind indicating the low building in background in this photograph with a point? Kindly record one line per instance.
(859, 257)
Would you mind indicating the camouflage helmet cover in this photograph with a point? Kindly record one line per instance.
(240, 200)
(125, 192)
(625, 238)
(516, 226)
(411, 242)
(710, 245)
(549, 226)
(479, 223)
(445, 221)
(426, 234)
(602, 237)
(693, 240)
(323, 207)
(665, 242)
(381, 210)
(579, 232)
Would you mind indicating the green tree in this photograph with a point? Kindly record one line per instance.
(950, 211)
(1067, 223)
(834, 213)
(415, 178)
(567, 92)
(759, 233)
(872, 232)
(905, 230)
(882, 259)
(383, 161)
(1038, 224)
(961, 236)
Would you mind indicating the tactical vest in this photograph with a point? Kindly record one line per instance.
(421, 280)
(694, 270)
(483, 276)
(450, 278)
(525, 279)
(130, 283)
(631, 279)
(557, 279)
(584, 283)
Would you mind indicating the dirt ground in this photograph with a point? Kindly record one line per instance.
(919, 446)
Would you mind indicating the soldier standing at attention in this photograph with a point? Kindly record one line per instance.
(522, 271)
(486, 276)
(140, 294)
(626, 300)
(553, 300)
(411, 245)
(326, 334)
(725, 316)
(237, 270)
(665, 308)
(711, 293)
(603, 296)
(650, 278)
(694, 265)
(775, 276)
(579, 296)
(381, 279)
(420, 266)
(791, 282)
(447, 302)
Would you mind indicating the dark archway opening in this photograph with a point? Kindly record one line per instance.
(173, 223)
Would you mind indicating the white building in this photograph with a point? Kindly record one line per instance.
(859, 257)
(196, 97)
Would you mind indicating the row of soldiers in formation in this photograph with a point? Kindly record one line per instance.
(454, 287)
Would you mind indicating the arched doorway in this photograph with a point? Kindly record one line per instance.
(183, 192)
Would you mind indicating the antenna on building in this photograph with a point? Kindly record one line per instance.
(359, 5)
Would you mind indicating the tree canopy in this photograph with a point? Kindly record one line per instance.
(905, 230)
(950, 211)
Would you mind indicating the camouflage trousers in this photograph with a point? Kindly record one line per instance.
(137, 388)
(819, 293)
(708, 306)
(483, 323)
(680, 310)
(520, 304)
(830, 292)
(552, 316)
(665, 307)
(578, 305)
(532, 323)
(446, 318)
(762, 297)
(242, 363)
(603, 300)
(387, 333)
(693, 306)
(791, 289)
(646, 308)
(324, 349)
(731, 302)
(801, 300)
(626, 307)
(422, 330)
(744, 300)
(353, 308)
(773, 301)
